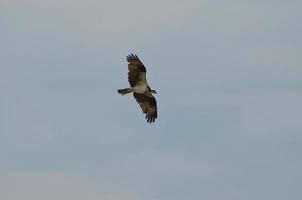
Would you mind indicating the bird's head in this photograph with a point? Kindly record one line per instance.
(152, 91)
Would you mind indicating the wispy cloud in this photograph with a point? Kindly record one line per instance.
(16, 186)
(105, 21)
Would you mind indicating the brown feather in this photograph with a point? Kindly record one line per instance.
(136, 70)
(148, 105)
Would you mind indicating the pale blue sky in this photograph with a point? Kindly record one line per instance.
(229, 81)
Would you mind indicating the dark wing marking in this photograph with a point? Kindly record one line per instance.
(136, 70)
(148, 105)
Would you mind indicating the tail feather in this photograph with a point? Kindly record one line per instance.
(124, 91)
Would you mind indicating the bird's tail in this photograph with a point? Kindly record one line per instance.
(124, 91)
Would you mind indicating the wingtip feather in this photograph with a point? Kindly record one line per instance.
(132, 57)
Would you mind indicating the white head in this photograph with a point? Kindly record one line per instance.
(152, 91)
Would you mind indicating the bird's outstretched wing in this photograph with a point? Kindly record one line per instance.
(136, 71)
(148, 105)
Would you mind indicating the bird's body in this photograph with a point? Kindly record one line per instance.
(140, 88)
(142, 92)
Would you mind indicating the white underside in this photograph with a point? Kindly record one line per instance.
(141, 88)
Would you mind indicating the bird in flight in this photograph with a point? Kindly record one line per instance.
(142, 92)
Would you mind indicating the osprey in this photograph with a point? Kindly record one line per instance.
(140, 88)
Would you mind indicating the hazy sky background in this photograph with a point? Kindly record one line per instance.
(229, 81)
